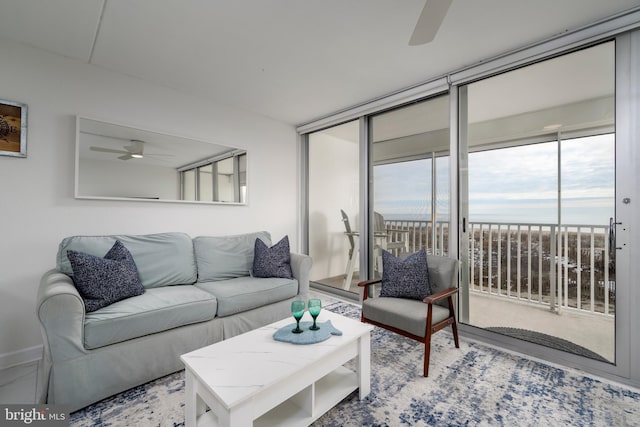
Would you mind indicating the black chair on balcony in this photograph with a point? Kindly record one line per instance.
(407, 312)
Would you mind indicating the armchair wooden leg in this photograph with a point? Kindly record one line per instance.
(454, 325)
(427, 353)
(427, 341)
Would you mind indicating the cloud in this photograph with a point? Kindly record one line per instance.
(511, 180)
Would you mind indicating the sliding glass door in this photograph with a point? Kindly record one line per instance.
(537, 191)
(334, 197)
(410, 156)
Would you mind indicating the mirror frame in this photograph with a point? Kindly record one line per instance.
(231, 153)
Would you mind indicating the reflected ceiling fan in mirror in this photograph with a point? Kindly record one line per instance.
(133, 151)
(429, 21)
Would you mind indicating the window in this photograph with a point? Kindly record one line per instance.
(222, 179)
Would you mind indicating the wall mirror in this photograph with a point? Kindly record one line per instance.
(125, 163)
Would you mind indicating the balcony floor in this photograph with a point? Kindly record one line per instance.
(591, 331)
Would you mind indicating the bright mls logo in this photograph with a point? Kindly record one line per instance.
(34, 415)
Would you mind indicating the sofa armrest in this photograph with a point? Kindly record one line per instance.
(61, 312)
(301, 268)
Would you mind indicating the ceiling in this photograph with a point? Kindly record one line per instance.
(291, 60)
(568, 91)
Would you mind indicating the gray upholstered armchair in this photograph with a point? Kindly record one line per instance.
(417, 319)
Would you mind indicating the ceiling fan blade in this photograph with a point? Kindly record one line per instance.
(429, 21)
(107, 150)
(126, 157)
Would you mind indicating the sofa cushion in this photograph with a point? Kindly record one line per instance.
(246, 293)
(103, 281)
(162, 259)
(226, 257)
(274, 261)
(157, 310)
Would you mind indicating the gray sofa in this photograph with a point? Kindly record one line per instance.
(197, 292)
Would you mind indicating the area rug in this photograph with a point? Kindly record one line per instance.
(471, 386)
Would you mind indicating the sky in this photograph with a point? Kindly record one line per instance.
(517, 184)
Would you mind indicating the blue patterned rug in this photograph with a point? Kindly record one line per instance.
(470, 386)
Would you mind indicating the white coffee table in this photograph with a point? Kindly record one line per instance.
(251, 379)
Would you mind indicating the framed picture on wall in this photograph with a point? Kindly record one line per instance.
(13, 129)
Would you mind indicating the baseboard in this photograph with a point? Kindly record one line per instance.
(21, 357)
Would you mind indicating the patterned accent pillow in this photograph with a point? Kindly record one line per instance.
(274, 261)
(103, 281)
(408, 278)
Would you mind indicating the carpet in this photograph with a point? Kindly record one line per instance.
(548, 341)
(470, 386)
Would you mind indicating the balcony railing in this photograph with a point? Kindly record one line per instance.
(567, 267)
(421, 234)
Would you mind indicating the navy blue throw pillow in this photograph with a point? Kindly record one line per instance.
(408, 278)
(274, 261)
(103, 281)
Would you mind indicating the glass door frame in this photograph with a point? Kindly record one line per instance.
(624, 104)
(305, 205)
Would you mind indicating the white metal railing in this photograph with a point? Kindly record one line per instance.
(567, 267)
(421, 234)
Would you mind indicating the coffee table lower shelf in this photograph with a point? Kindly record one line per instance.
(304, 407)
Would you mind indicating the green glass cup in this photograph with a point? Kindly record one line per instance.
(297, 309)
(314, 310)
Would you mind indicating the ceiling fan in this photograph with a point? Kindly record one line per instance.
(429, 21)
(133, 151)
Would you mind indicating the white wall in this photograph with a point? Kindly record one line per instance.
(37, 208)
